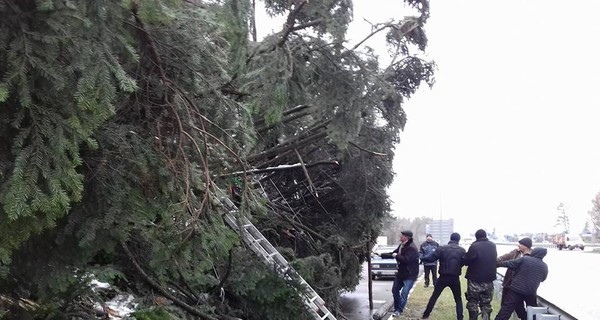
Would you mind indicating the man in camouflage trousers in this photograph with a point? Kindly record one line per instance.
(481, 273)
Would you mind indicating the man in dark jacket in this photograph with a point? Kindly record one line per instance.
(427, 248)
(524, 247)
(450, 256)
(407, 256)
(481, 273)
(530, 270)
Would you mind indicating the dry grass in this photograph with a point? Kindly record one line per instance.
(444, 307)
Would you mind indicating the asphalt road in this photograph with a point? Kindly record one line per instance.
(355, 305)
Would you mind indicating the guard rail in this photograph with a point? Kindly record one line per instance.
(549, 245)
(550, 308)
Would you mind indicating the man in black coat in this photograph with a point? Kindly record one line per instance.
(523, 248)
(450, 256)
(530, 270)
(481, 273)
(407, 256)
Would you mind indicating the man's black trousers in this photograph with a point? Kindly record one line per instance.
(442, 282)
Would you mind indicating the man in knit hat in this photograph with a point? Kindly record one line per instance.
(481, 273)
(523, 248)
(530, 271)
(450, 256)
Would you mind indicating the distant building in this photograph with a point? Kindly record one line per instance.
(440, 230)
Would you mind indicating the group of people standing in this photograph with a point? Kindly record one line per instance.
(525, 271)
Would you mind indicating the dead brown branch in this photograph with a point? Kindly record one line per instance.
(297, 142)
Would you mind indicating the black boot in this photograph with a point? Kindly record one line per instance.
(473, 315)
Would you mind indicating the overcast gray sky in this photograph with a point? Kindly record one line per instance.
(510, 129)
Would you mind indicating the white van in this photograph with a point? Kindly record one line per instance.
(573, 241)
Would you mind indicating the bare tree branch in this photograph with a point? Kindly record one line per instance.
(311, 187)
(162, 290)
(282, 168)
(290, 22)
(385, 26)
(368, 151)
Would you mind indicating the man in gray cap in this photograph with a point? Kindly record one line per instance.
(407, 256)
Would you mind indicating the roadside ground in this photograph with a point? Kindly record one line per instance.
(355, 305)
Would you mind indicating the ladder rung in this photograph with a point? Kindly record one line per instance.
(270, 255)
(319, 301)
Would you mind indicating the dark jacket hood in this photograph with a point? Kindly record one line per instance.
(539, 252)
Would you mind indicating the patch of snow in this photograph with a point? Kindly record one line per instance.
(97, 284)
(119, 307)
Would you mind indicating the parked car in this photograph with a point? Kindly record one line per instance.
(383, 265)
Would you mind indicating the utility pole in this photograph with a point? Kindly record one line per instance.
(370, 283)
(440, 236)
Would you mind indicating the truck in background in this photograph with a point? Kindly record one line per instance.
(567, 241)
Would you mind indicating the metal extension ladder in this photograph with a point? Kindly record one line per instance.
(264, 249)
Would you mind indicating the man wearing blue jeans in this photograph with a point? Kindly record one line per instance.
(407, 256)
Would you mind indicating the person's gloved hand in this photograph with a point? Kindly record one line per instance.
(394, 254)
